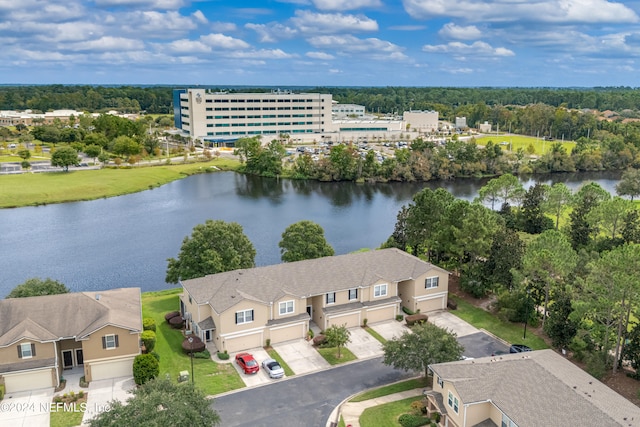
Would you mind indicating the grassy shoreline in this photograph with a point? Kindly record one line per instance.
(28, 189)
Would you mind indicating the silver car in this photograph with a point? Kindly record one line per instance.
(273, 368)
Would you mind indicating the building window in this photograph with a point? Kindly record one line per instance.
(353, 294)
(506, 422)
(286, 307)
(331, 298)
(109, 342)
(440, 382)
(380, 290)
(431, 282)
(26, 350)
(453, 402)
(245, 316)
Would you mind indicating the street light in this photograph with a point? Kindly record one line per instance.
(526, 318)
(191, 354)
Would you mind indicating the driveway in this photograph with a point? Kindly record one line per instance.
(363, 345)
(301, 356)
(102, 392)
(390, 329)
(454, 324)
(259, 378)
(26, 408)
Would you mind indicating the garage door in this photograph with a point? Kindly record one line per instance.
(431, 305)
(381, 314)
(111, 369)
(28, 381)
(287, 333)
(352, 320)
(244, 342)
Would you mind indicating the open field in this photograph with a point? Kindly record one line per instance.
(513, 142)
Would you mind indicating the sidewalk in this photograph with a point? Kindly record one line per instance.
(351, 411)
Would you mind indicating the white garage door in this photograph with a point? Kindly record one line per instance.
(111, 369)
(431, 305)
(381, 314)
(352, 320)
(28, 381)
(244, 342)
(287, 334)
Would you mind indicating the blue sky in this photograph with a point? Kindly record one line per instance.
(284, 43)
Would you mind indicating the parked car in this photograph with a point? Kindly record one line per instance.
(273, 368)
(518, 348)
(247, 363)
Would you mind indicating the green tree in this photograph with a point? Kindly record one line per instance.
(36, 287)
(337, 336)
(557, 198)
(65, 157)
(507, 187)
(24, 154)
(632, 350)
(304, 240)
(145, 368)
(93, 151)
(426, 345)
(559, 326)
(609, 215)
(629, 184)
(588, 197)
(125, 146)
(505, 255)
(160, 402)
(490, 192)
(213, 247)
(532, 218)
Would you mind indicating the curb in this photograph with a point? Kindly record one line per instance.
(495, 337)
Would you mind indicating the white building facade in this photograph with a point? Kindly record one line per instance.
(421, 121)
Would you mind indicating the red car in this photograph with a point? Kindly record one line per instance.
(247, 363)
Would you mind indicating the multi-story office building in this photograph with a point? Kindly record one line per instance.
(348, 110)
(224, 116)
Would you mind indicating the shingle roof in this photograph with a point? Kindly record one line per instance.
(305, 278)
(539, 388)
(51, 317)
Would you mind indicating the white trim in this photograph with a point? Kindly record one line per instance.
(381, 307)
(286, 307)
(243, 333)
(244, 316)
(108, 359)
(288, 325)
(72, 358)
(379, 285)
(430, 296)
(106, 342)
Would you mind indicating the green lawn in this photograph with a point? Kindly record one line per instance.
(68, 418)
(211, 377)
(58, 187)
(375, 335)
(520, 141)
(510, 332)
(386, 415)
(330, 355)
(274, 355)
(391, 389)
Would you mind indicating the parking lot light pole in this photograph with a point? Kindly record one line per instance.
(191, 354)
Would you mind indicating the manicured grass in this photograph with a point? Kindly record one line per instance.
(330, 355)
(375, 335)
(520, 141)
(341, 422)
(386, 415)
(274, 355)
(58, 187)
(212, 378)
(391, 389)
(68, 418)
(510, 332)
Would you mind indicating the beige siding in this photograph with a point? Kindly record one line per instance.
(431, 304)
(351, 319)
(228, 324)
(241, 342)
(110, 369)
(479, 412)
(43, 351)
(317, 303)
(128, 344)
(33, 380)
(414, 294)
(287, 333)
(299, 306)
(368, 294)
(457, 418)
(380, 314)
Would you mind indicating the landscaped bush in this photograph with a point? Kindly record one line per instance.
(411, 420)
(1, 391)
(407, 311)
(416, 318)
(196, 346)
(145, 367)
(318, 340)
(399, 317)
(202, 354)
(176, 322)
(223, 356)
(149, 340)
(171, 315)
(149, 324)
(452, 304)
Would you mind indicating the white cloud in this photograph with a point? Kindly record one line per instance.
(199, 16)
(319, 55)
(373, 48)
(223, 27)
(551, 11)
(260, 54)
(461, 50)
(453, 31)
(270, 33)
(346, 4)
(329, 23)
(205, 44)
(107, 43)
(149, 4)
(220, 41)
(407, 27)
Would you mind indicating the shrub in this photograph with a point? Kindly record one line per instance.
(223, 356)
(318, 340)
(407, 311)
(310, 334)
(83, 382)
(597, 364)
(171, 315)
(268, 342)
(452, 304)
(196, 345)
(416, 318)
(149, 324)
(145, 367)
(80, 394)
(364, 321)
(411, 420)
(399, 317)
(176, 322)
(156, 355)
(1, 391)
(202, 354)
(148, 338)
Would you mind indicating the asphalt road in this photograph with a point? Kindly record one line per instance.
(305, 401)
(481, 345)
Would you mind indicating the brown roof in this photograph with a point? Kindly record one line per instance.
(305, 278)
(72, 315)
(539, 388)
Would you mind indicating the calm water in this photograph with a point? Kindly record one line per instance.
(125, 241)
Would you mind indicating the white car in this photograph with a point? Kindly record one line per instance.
(273, 368)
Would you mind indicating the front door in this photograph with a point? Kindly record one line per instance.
(310, 311)
(67, 359)
(207, 335)
(79, 356)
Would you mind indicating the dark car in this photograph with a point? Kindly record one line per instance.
(519, 348)
(247, 363)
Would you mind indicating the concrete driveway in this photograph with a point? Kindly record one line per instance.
(454, 324)
(363, 345)
(26, 408)
(301, 356)
(390, 329)
(102, 392)
(259, 378)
